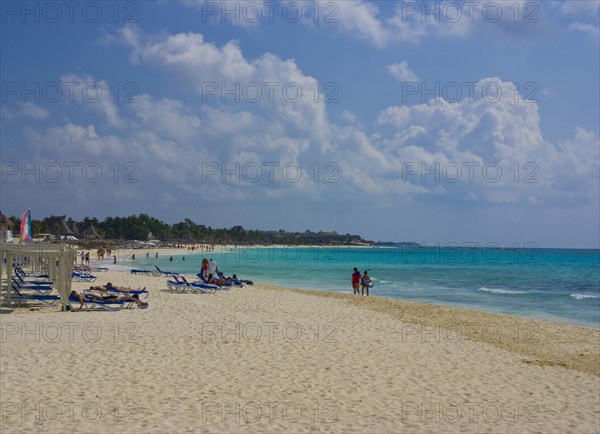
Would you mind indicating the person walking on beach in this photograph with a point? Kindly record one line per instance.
(365, 282)
(356, 281)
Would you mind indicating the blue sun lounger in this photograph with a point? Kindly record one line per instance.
(134, 271)
(166, 273)
(39, 289)
(181, 284)
(108, 305)
(20, 296)
(83, 277)
(114, 290)
(203, 280)
(202, 286)
(20, 271)
(23, 281)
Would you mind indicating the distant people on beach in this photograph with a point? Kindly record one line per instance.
(87, 258)
(356, 281)
(114, 259)
(156, 256)
(365, 283)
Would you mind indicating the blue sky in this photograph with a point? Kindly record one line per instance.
(476, 123)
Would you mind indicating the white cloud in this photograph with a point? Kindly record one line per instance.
(166, 116)
(591, 29)
(580, 7)
(74, 140)
(349, 117)
(267, 84)
(359, 18)
(34, 111)
(402, 72)
(93, 94)
(499, 129)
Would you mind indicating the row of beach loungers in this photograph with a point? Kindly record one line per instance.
(178, 283)
(34, 288)
(27, 288)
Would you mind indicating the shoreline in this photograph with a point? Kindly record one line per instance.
(519, 334)
(205, 363)
(510, 332)
(315, 288)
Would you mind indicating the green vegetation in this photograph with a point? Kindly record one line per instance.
(143, 227)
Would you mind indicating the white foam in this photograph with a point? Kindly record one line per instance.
(500, 291)
(583, 296)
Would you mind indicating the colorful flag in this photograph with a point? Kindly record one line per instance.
(25, 234)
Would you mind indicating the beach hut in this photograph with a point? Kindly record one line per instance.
(57, 225)
(73, 226)
(89, 231)
(58, 257)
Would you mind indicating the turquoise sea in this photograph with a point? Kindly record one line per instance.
(556, 284)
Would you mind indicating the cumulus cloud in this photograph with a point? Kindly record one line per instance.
(482, 148)
(402, 72)
(92, 94)
(222, 75)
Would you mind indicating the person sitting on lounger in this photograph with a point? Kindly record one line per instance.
(218, 281)
(230, 280)
(103, 298)
(247, 282)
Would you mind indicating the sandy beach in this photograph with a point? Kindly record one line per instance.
(268, 359)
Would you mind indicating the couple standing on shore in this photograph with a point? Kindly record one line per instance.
(363, 281)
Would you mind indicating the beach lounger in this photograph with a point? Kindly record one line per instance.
(114, 290)
(109, 305)
(204, 281)
(19, 296)
(134, 271)
(206, 288)
(82, 276)
(23, 281)
(38, 289)
(24, 274)
(180, 284)
(166, 273)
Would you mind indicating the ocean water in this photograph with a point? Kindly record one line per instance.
(556, 284)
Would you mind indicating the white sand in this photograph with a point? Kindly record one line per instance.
(267, 360)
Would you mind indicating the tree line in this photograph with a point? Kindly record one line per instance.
(142, 227)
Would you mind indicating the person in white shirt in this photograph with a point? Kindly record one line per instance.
(212, 267)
